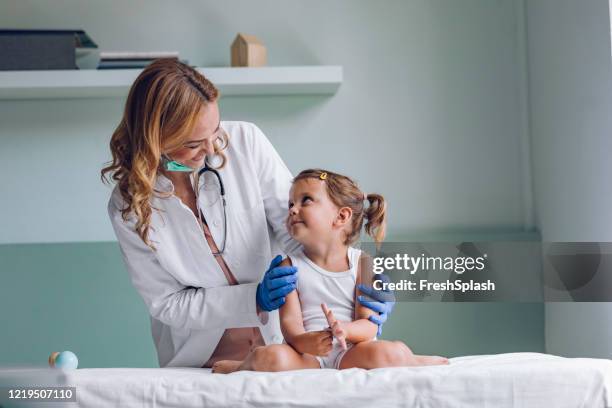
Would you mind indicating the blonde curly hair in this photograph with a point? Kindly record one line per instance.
(160, 112)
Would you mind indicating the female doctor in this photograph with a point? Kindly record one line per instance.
(198, 207)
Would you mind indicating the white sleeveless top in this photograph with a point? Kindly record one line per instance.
(316, 285)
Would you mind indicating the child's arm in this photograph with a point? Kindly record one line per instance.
(317, 343)
(360, 329)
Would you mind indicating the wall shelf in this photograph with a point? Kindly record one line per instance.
(300, 80)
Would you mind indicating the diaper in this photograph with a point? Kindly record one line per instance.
(332, 360)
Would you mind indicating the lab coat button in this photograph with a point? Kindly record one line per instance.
(216, 223)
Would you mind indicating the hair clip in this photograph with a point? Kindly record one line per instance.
(323, 176)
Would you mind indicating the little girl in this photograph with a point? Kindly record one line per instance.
(326, 215)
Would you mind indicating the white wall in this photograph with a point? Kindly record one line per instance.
(571, 128)
(430, 113)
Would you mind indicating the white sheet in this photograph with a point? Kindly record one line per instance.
(506, 380)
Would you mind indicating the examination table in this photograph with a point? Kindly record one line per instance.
(505, 380)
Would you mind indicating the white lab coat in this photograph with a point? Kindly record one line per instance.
(187, 295)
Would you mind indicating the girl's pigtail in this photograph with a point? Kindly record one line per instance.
(376, 214)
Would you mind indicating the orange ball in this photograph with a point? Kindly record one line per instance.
(52, 358)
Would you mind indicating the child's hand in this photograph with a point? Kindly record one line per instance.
(336, 326)
(316, 343)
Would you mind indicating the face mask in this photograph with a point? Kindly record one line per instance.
(171, 165)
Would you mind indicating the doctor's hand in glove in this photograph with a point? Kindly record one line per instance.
(381, 301)
(277, 283)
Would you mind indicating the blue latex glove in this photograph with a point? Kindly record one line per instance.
(277, 283)
(382, 302)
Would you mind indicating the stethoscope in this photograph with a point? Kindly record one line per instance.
(200, 217)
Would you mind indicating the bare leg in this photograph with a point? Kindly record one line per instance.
(226, 366)
(275, 357)
(430, 360)
(382, 353)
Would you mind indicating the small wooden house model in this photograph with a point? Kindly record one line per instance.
(248, 51)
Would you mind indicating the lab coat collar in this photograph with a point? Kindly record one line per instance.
(163, 184)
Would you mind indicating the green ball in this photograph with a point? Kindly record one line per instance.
(67, 360)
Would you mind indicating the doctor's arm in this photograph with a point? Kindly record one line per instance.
(173, 303)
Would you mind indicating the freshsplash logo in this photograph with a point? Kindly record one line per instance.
(411, 265)
(414, 264)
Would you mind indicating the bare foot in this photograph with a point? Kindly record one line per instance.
(225, 366)
(430, 360)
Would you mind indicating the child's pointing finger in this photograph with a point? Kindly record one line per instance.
(328, 315)
(334, 325)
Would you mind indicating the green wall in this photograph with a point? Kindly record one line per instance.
(78, 297)
(459, 329)
(74, 296)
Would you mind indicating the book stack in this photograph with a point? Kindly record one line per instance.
(41, 49)
(131, 60)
